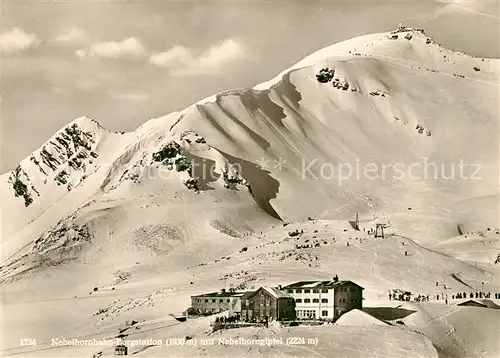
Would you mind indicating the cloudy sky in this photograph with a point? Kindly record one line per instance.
(123, 62)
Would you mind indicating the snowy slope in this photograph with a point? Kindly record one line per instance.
(149, 289)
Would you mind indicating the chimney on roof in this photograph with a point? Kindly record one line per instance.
(279, 287)
(223, 290)
(335, 278)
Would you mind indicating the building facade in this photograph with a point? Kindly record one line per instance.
(325, 299)
(267, 304)
(217, 302)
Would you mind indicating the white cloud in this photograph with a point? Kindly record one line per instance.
(173, 57)
(17, 40)
(74, 36)
(128, 48)
(183, 61)
(130, 96)
(215, 56)
(483, 8)
(87, 84)
(81, 53)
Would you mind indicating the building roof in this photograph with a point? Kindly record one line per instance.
(319, 284)
(490, 304)
(273, 291)
(246, 295)
(277, 293)
(221, 294)
(472, 303)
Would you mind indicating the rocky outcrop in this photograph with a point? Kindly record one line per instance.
(325, 75)
(422, 130)
(64, 159)
(380, 93)
(21, 185)
(170, 155)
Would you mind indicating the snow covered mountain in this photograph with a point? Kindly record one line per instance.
(65, 161)
(390, 125)
(392, 99)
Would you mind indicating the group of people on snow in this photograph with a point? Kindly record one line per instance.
(399, 295)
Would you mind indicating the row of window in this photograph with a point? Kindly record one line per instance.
(306, 313)
(308, 300)
(268, 302)
(345, 289)
(323, 290)
(264, 301)
(310, 313)
(343, 300)
(200, 300)
(307, 290)
(211, 310)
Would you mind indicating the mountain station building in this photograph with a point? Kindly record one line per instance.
(325, 299)
(216, 302)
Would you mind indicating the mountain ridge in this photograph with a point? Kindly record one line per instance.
(367, 112)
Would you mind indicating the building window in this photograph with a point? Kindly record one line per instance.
(324, 313)
(298, 300)
(307, 291)
(353, 301)
(315, 300)
(298, 291)
(324, 290)
(228, 300)
(213, 301)
(307, 300)
(206, 301)
(315, 290)
(289, 291)
(221, 301)
(324, 300)
(352, 290)
(311, 314)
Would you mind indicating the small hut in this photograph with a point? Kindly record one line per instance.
(121, 350)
